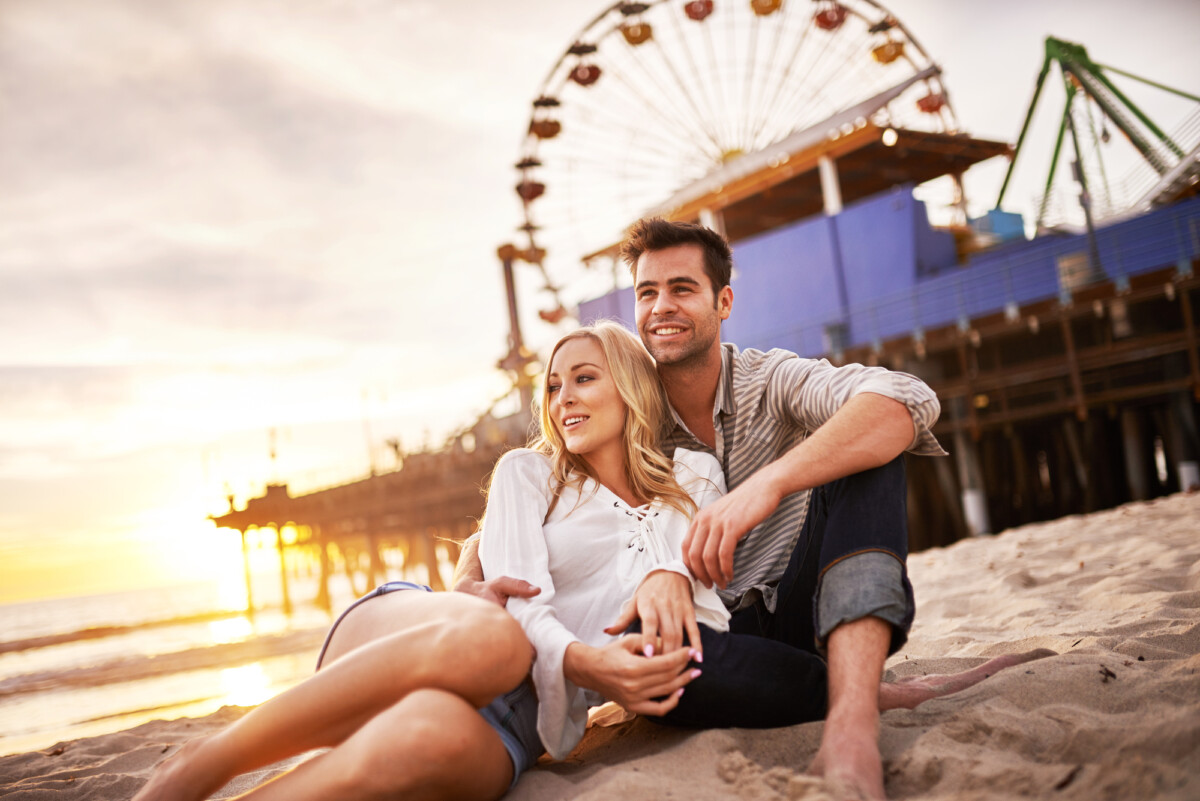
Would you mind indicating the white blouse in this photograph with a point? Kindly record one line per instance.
(589, 557)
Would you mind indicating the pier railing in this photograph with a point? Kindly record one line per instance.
(1003, 280)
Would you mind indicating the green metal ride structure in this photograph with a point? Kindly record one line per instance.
(1175, 162)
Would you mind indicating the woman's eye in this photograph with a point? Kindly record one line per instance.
(550, 390)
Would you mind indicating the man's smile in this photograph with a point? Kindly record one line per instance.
(666, 329)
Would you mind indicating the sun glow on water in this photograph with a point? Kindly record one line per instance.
(234, 629)
(247, 685)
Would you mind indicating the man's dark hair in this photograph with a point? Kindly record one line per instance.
(655, 233)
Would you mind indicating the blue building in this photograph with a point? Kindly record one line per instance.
(1067, 365)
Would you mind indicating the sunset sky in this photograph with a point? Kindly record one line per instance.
(220, 218)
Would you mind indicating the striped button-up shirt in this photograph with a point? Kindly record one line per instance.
(766, 404)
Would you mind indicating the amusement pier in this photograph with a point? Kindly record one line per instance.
(1063, 348)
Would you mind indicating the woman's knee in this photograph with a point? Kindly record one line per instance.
(487, 636)
(423, 746)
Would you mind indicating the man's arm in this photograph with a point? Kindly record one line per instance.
(868, 431)
(468, 578)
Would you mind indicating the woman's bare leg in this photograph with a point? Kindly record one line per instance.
(431, 745)
(401, 642)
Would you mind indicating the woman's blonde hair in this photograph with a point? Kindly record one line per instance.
(647, 421)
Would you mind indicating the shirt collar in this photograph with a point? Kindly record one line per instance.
(724, 401)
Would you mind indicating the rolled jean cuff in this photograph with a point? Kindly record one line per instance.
(867, 584)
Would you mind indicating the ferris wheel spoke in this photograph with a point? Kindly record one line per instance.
(602, 163)
(603, 125)
(810, 104)
(754, 90)
(835, 76)
(782, 84)
(674, 124)
(714, 72)
(806, 86)
(603, 121)
(704, 120)
(679, 119)
(701, 124)
(744, 143)
(702, 86)
(735, 62)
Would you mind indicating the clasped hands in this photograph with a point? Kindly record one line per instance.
(644, 672)
(653, 684)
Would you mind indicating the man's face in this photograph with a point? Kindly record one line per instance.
(678, 317)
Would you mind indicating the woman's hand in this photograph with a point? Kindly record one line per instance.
(622, 673)
(664, 604)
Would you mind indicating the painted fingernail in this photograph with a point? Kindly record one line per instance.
(648, 650)
(696, 673)
(679, 692)
(697, 657)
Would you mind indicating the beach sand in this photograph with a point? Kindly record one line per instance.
(1114, 715)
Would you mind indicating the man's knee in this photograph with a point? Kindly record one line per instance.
(884, 484)
(868, 584)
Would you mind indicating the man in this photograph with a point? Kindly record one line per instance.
(808, 547)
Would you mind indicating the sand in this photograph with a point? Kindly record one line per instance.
(1115, 715)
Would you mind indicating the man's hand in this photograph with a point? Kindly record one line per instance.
(497, 590)
(664, 604)
(717, 529)
(468, 578)
(620, 673)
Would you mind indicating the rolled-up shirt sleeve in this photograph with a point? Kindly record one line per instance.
(810, 391)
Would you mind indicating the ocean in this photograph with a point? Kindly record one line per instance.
(89, 665)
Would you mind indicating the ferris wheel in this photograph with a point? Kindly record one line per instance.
(651, 97)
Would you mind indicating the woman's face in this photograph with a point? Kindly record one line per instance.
(584, 405)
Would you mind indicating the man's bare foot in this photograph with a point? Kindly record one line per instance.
(910, 691)
(849, 762)
(181, 777)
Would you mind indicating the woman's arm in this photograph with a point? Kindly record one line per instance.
(622, 672)
(468, 578)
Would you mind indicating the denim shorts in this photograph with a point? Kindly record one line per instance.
(513, 715)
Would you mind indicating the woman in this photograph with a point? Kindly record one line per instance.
(404, 671)
(424, 695)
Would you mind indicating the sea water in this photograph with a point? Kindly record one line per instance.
(89, 665)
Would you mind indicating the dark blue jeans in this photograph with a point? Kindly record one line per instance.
(750, 682)
(863, 513)
(766, 671)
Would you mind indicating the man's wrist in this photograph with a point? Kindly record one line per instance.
(775, 481)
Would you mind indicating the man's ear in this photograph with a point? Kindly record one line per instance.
(725, 302)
